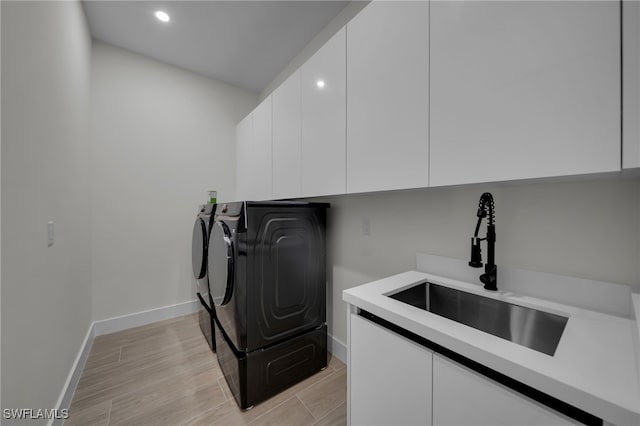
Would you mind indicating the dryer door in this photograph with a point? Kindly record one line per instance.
(199, 248)
(220, 263)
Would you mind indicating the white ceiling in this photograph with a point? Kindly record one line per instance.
(244, 43)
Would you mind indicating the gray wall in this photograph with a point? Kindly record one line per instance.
(161, 137)
(587, 229)
(46, 291)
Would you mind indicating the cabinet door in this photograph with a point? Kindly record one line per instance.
(388, 97)
(389, 377)
(261, 171)
(244, 142)
(523, 89)
(323, 148)
(463, 397)
(286, 138)
(254, 154)
(631, 84)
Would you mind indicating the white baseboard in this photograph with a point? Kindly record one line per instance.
(69, 388)
(337, 348)
(125, 322)
(111, 325)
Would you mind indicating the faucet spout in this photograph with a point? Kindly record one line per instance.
(485, 210)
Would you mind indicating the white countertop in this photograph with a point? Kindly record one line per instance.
(595, 366)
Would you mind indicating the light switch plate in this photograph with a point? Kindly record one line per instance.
(366, 226)
(49, 234)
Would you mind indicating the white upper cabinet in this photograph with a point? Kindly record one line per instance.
(254, 154)
(262, 173)
(244, 140)
(631, 84)
(323, 81)
(286, 138)
(523, 90)
(388, 97)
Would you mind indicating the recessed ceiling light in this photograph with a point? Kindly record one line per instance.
(162, 16)
(320, 84)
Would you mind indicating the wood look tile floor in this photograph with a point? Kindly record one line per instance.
(165, 374)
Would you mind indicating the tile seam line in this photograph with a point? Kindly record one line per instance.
(270, 410)
(224, 392)
(315, 419)
(192, 418)
(329, 413)
(332, 374)
(109, 413)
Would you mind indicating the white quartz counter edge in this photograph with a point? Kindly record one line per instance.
(594, 368)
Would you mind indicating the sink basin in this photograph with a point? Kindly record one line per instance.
(528, 327)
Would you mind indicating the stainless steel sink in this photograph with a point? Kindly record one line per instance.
(534, 329)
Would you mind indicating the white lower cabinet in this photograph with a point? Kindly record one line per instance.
(389, 377)
(395, 381)
(463, 397)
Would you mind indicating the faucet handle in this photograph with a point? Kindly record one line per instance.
(476, 255)
(489, 277)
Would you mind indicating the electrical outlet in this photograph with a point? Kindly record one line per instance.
(366, 226)
(49, 234)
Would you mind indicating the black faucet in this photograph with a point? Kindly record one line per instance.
(485, 209)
